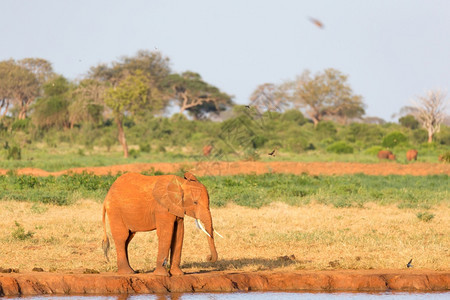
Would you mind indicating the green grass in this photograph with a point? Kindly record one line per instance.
(67, 156)
(339, 191)
(250, 190)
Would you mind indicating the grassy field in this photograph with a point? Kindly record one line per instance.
(67, 156)
(274, 237)
(250, 190)
(325, 222)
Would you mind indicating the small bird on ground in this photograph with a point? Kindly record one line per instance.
(272, 153)
(316, 22)
(247, 106)
(409, 265)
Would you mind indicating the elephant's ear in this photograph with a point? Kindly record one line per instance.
(169, 194)
(190, 177)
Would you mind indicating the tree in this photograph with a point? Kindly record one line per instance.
(409, 121)
(128, 96)
(40, 67)
(18, 86)
(87, 102)
(152, 65)
(269, 96)
(197, 96)
(52, 108)
(431, 111)
(327, 94)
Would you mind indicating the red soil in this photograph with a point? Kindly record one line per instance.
(361, 280)
(232, 168)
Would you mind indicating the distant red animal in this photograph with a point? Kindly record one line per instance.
(386, 154)
(207, 150)
(411, 154)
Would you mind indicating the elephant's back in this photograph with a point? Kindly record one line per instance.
(133, 187)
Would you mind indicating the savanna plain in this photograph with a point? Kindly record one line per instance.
(269, 222)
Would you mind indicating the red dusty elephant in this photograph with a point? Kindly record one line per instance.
(137, 203)
(386, 154)
(411, 154)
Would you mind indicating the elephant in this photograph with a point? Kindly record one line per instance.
(386, 154)
(137, 203)
(411, 154)
(207, 150)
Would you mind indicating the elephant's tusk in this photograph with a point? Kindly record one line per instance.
(218, 233)
(200, 226)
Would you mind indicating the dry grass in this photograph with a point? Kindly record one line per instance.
(320, 237)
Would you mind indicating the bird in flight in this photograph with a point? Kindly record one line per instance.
(272, 153)
(316, 22)
(409, 265)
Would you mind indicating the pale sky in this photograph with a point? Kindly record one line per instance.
(392, 50)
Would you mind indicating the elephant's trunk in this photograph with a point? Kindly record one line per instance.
(207, 221)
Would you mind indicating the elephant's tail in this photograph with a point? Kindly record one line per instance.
(105, 242)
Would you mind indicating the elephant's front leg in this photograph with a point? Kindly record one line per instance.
(176, 246)
(164, 229)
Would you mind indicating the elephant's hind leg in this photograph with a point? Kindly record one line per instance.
(122, 236)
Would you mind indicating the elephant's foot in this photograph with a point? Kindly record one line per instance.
(161, 271)
(176, 271)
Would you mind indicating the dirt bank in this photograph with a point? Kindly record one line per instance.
(370, 280)
(232, 168)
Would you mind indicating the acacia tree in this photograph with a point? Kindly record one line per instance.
(269, 96)
(18, 86)
(430, 111)
(87, 102)
(195, 95)
(128, 96)
(327, 94)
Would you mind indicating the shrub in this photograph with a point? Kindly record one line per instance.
(134, 153)
(420, 136)
(14, 153)
(326, 129)
(258, 141)
(340, 147)
(20, 234)
(409, 122)
(425, 216)
(294, 115)
(145, 148)
(20, 125)
(445, 157)
(373, 150)
(393, 139)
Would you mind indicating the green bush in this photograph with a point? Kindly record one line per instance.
(14, 153)
(258, 141)
(425, 216)
(393, 139)
(20, 234)
(373, 150)
(294, 115)
(20, 125)
(409, 122)
(445, 157)
(133, 153)
(145, 148)
(340, 147)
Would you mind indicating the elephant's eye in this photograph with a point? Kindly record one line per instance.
(195, 202)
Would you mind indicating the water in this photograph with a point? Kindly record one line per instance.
(257, 296)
